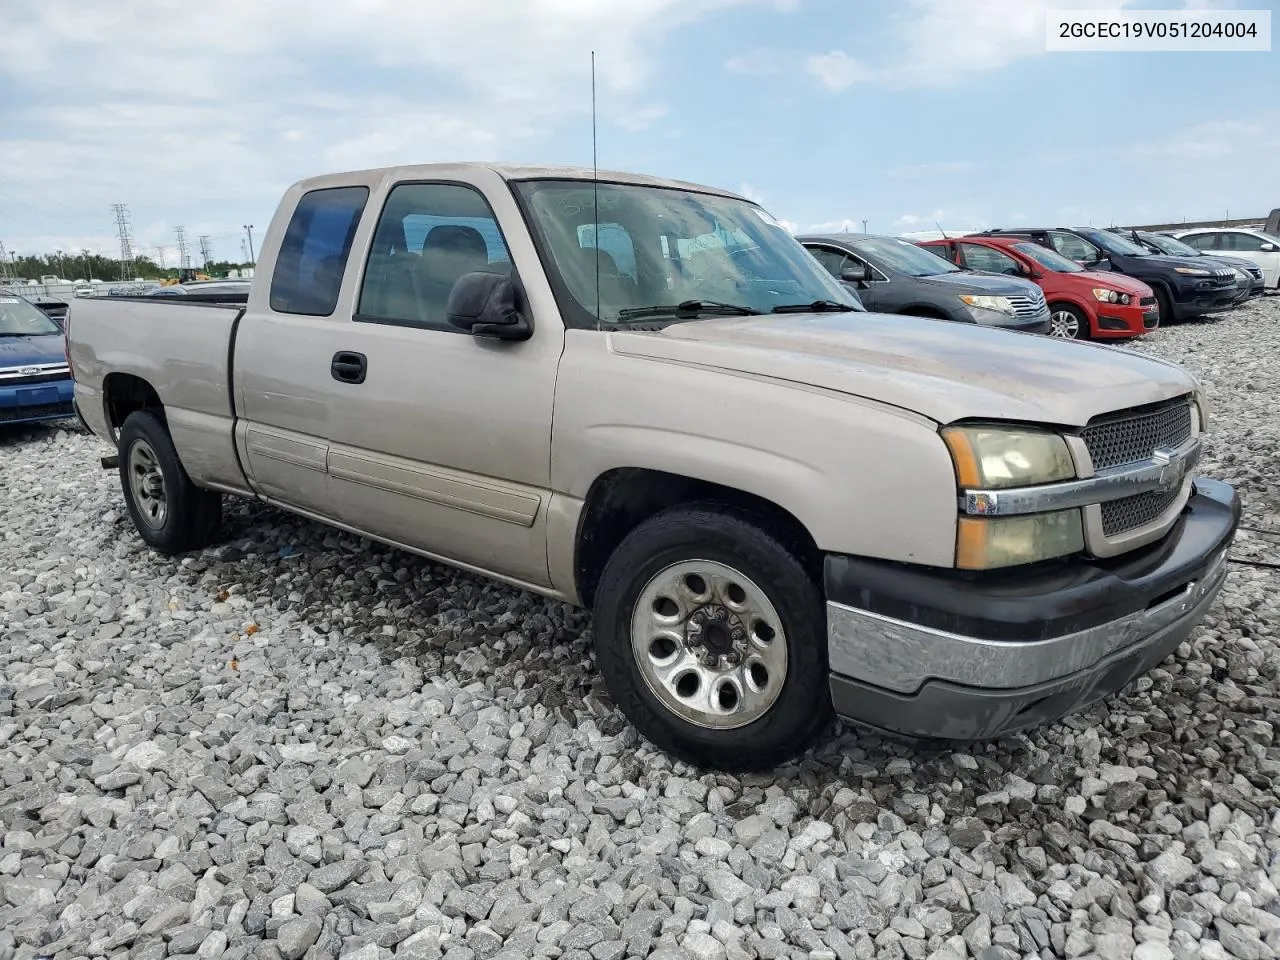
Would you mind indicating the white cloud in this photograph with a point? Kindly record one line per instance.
(948, 221)
(185, 110)
(938, 43)
(837, 70)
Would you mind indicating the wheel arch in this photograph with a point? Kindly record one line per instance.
(621, 499)
(124, 393)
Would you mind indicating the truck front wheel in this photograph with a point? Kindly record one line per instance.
(711, 638)
(170, 512)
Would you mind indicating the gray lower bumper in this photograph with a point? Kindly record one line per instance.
(924, 682)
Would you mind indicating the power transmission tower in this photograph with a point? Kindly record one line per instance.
(183, 259)
(4, 262)
(204, 251)
(123, 228)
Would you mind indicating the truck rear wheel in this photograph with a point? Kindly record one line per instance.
(711, 638)
(170, 512)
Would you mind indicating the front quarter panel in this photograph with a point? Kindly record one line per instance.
(864, 478)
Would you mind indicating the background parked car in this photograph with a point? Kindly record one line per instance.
(224, 291)
(1261, 248)
(1163, 243)
(35, 380)
(1183, 286)
(1083, 304)
(891, 275)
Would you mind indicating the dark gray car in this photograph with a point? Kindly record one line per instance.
(891, 275)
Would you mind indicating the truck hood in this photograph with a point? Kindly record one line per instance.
(943, 370)
(982, 283)
(19, 351)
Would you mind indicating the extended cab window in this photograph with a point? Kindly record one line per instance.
(978, 257)
(313, 254)
(429, 235)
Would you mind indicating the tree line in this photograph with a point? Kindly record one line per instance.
(83, 266)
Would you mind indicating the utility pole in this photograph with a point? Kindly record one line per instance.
(183, 259)
(249, 229)
(121, 211)
(864, 226)
(61, 268)
(88, 267)
(204, 251)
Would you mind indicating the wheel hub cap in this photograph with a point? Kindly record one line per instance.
(146, 482)
(709, 644)
(1064, 325)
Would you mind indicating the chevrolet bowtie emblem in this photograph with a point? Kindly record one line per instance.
(1173, 466)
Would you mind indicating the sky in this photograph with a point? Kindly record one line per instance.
(906, 114)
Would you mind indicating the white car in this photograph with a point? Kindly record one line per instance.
(1262, 248)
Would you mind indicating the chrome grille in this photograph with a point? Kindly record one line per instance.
(1121, 516)
(1134, 436)
(1026, 307)
(33, 373)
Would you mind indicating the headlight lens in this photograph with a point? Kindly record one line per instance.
(999, 304)
(998, 457)
(1192, 271)
(1110, 296)
(987, 543)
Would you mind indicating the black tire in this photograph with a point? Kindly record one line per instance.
(707, 532)
(190, 516)
(1165, 305)
(1082, 322)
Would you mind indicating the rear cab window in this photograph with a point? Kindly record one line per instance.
(314, 252)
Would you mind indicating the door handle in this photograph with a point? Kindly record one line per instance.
(349, 367)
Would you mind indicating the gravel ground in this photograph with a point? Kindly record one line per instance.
(300, 744)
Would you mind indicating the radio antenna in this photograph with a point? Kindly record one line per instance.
(595, 186)
(940, 230)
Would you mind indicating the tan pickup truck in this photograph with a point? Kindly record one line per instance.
(645, 397)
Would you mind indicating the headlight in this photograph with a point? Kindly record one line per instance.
(997, 457)
(984, 543)
(1110, 296)
(1192, 271)
(999, 304)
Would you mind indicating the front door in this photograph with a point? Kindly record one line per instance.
(834, 260)
(1249, 246)
(444, 444)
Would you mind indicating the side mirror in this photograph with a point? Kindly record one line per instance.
(484, 304)
(855, 273)
(1268, 248)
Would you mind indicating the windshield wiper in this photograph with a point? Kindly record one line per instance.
(688, 310)
(818, 306)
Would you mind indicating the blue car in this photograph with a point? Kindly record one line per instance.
(35, 379)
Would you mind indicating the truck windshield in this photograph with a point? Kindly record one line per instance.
(20, 319)
(903, 256)
(665, 255)
(1110, 243)
(1047, 258)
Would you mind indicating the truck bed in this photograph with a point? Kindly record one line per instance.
(182, 350)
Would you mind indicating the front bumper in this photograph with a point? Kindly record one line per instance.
(41, 401)
(1201, 302)
(941, 654)
(1119, 320)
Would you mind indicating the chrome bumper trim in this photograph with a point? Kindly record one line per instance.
(900, 656)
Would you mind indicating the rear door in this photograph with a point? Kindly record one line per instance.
(286, 395)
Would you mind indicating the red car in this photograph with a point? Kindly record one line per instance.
(1083, 304)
